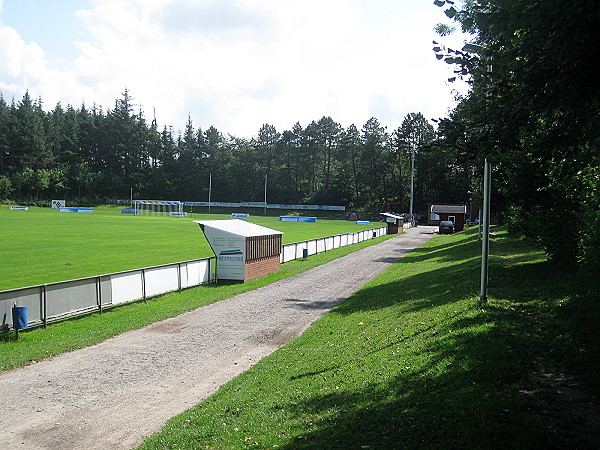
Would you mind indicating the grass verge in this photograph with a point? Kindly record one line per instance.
(70, 334)
(412, 361)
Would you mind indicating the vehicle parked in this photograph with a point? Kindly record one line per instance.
(446, 227)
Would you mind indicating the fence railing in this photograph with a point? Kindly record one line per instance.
(54, 301)
(314, 246)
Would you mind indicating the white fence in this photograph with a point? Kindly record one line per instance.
(314, 246)
(54, 301)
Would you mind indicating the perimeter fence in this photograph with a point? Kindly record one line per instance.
(311, 247)
(55, 301)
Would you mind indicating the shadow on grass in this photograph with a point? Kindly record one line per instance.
(441, 283)
(477, 384)
(469, 405)
(324, 305)
(8, 336)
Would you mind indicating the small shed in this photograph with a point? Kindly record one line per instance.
(245, 251)
(456, 214)
(395, 222)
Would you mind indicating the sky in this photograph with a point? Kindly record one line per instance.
(231, 64)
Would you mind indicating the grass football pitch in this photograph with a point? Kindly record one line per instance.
(43, 246)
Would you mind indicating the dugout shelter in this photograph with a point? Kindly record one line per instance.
(395, 222)
(244, 251)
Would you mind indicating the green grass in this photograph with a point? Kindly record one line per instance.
(38, 343)
(43, 246)
(412, 361)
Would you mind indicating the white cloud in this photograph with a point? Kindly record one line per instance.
(249, 61)
(237, 64)
(24, 68)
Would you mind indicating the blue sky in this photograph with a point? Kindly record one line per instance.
(233, 64)
(50, 23)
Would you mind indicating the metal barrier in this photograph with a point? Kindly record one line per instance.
(312, 247)
(54, 301)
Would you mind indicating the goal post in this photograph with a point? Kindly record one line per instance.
(173, 208)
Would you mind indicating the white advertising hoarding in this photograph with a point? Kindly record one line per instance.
(228, 239)
(57, 204)
(230, 250)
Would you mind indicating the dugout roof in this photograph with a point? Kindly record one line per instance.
(395, 216)
(238, 227)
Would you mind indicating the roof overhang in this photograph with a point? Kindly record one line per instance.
(449, 209)
(237, 227)
(395, 216)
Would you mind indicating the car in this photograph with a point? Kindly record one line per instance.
(446, 227)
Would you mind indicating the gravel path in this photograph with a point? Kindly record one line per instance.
(113, 394)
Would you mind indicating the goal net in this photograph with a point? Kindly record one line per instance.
(159, 208)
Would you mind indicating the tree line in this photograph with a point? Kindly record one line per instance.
(533, 111)
(89, 155)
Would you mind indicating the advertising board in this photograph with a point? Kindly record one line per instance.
(267, 205)
(297, 219)
(230, 252)
(57, 204)
(76, 210)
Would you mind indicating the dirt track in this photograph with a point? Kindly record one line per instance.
(113, 394)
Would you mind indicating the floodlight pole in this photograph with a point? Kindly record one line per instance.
(209, 189)
(412, 182)
(485, 245)
(265, 210)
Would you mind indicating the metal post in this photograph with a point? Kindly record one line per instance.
(485, 245)
(412, 183)
(179, 284)
(144, 284)
(99, 292)
(15, 322)
(265, 211)
(209, 190)
(45, 306)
